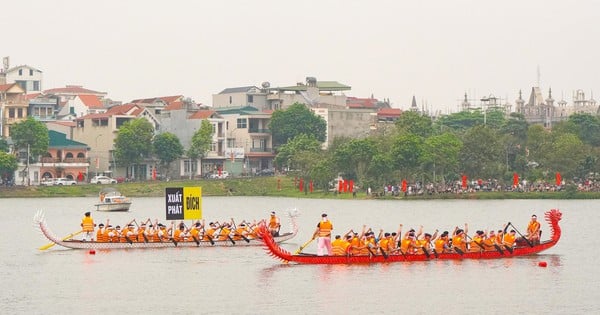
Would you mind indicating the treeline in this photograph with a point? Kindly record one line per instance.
(479, 145)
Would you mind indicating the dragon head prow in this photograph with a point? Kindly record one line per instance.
(554, 215)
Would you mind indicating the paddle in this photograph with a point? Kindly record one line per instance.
(193, 236)
(63, 239)
(425, 251)
(383, 253)
(435, 253)
(526, 239)
(480, 245)
(143, 233)
(303, 246)
(207, 236)
(238, 234)
(458, 250)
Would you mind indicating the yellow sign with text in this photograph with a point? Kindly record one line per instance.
(183, 203)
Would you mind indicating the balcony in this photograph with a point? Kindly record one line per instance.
(258, 130)
(261, 150)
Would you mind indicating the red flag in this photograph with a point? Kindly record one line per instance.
(340, 185)
(351, 184)
(301, 185)
(310, 185)
(154, 173)
(404, 185)
(464, 182)
(558, 179)
(515, 179)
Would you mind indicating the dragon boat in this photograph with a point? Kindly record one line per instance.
(69, 242)
(522, 248)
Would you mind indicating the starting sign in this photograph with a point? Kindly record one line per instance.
(183, 203)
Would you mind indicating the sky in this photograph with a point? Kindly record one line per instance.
(433, 50)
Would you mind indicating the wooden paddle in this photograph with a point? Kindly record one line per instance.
(193, 237)
(237, 234)
(143, 234)
(526, 239)
(63, 239)
(303, 246)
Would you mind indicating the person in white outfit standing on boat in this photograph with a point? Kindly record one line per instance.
(323, 231)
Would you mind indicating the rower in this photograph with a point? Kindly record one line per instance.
(533, 230)
(509, 239)
(441, 244)
(274, 224)
(101, 233)
(339, 246)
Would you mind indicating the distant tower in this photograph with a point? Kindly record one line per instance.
(550, 100)
(465, 105)
(520, 104)
(413, 105)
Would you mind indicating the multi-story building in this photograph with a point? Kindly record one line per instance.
(13, 107)
(184, 122)
(77, 101)
(99, 131)
(27, 77)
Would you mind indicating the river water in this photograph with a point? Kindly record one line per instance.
(248, 281)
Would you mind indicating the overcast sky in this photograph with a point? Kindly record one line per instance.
(435, 50)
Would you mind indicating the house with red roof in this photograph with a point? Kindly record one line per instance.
(99, 130)
(184, 123)
(77, 101)
(157, 104)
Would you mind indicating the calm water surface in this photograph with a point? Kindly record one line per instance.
(248, 281)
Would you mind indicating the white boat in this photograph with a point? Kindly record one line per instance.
(112, 200)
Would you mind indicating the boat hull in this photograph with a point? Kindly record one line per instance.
(40, 223)
(276, 251)
(121, 206)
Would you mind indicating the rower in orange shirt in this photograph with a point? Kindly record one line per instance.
(533, 230)
(339, 246)
(441, 243)
(509, 239)
(459, 240)
(274, 224)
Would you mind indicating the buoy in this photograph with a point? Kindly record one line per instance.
(92, 252)
(542, 264)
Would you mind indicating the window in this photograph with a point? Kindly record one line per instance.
(19, 113)
(242, 123)
(20, 71)
(30, 72)
(11, 113)
(213, 147)
(231, 143)
(189, 166)
(250, 98)
(36, 85)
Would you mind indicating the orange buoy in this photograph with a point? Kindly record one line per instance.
(542, 264)
(92, 252)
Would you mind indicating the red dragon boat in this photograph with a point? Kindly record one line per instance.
(522, 248)
(69, 242)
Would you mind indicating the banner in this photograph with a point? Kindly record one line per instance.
(558, 179)
(464, 182)
(183, 203)
(515, 180)
(404, 185)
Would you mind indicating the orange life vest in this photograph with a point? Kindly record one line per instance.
(325, 228)
(509, 239)
(273, 222)
(224, 234)
(457, 241)
(533, 227)
(87, 224)
(102, 236)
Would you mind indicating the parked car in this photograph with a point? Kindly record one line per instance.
(266, 172)
(102, 180)
(224, 174)
(47, 182)
(61, 181)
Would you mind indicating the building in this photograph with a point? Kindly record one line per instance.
(99, 131)
(313, 93)
(64, 158)
(13, 107)
(27, 77)
(343, 122)
(76, 101)
(249, 146)
(184, 123)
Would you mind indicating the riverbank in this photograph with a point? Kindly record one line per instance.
(274, 186)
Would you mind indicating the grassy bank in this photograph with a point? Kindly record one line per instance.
(257, 186)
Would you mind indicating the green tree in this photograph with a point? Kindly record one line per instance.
(587, 127)
(3, 145)
(355, 157)
(32, 133)
(291, 153)
(481, 154)
(415, 123)
(440, 154)
(296, 119)
(406, 153)
(168, 149)
(134, 142)
(201, 142)
(568, 153)
(8, 165)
